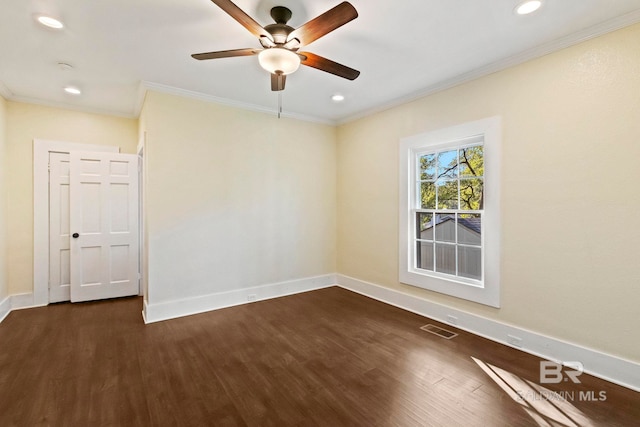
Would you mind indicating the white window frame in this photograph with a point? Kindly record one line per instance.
(487, 290)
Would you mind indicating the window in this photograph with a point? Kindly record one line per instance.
(449, 213)
(448, 210)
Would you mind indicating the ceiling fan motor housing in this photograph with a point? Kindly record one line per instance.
(280, 30)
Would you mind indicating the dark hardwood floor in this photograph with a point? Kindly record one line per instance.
(324, 358)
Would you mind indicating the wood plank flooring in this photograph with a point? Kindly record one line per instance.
(324, 358)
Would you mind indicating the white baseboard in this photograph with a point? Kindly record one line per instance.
(5, 308)
(188, 306)
(20, 301)
(610, 368)
(17, 302)
(144, 311)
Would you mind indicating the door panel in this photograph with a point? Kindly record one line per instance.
(59, 249)
(104, 213)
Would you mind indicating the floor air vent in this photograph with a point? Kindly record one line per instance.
(439, 331)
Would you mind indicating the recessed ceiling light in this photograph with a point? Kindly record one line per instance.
(50, 22)
(528, 6)
(72, 90)
(337, 97)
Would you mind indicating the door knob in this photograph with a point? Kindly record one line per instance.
(75, 235)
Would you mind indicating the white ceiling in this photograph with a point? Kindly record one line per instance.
(404, 49)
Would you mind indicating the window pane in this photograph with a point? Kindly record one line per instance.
(424, 227)
(447, 194)
(446, 228)
(470, 262)
(428, 167)
(450, 242)
(424, 255)
(448, 164)
(472, 161)
(427, 195)
(470, 229)
(471, 194)
(445, 258)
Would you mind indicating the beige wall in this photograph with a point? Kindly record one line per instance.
(26, 122)
(571, 143)
(235, 198)
(4, 291)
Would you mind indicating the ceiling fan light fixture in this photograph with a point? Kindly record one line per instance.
(277, 60)
(529, 6)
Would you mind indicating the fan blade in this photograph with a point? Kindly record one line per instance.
(245, 20)
(324, 24)
(315, 61)
(277, 82)
(225, 54)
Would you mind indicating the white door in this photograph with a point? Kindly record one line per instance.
(103, 201)
(59, 250)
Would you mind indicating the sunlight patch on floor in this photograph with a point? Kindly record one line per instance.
(546, 407)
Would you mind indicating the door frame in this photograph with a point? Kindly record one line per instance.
(142, 201)
(41, 150)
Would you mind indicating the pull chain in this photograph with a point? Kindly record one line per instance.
(279, 103)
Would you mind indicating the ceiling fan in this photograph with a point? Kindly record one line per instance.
(280, 53)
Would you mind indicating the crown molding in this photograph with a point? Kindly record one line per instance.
(171, 90)
(5, 92)
(140, 98)
(528, 55)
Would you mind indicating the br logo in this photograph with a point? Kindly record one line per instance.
(553, 373)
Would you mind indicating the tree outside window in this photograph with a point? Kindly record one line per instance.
(449, 216)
